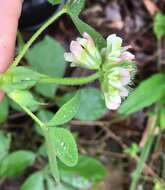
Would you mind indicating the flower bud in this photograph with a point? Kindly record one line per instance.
(84, 53)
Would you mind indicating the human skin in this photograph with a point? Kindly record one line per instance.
(10, 11)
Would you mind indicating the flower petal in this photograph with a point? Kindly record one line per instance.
(76, 48)
(123, 92)
(114, 42)
(109, 103)
(113, 106)
(126, 55)
(88, 38)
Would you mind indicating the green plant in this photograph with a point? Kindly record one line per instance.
(114, 69)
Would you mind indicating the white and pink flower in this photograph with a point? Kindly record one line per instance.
(84, 53)
(114, 63)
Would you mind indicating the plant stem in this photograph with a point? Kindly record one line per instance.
(69, 81)
(38, 121)
(36, 35)
(144, 155)
(52, 156)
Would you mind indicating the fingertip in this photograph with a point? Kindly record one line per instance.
(9, 16)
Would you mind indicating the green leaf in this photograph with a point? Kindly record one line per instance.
(63, 187)
(4, 144)
(148, 92)
(15, 163)
(23, 98)
(83, 27)
(75, 6)
(47, 57)
(52, 156)
(4, 110)
(88, 170)
(133, 150)
(52, 186)
(45, 115)
(159, 25)
(50, 183)
(19, 78)
(75, 180)
(92, 106)
(42, 151)
(64, 145)
(34, 182)
(66, 112)
(54, 2)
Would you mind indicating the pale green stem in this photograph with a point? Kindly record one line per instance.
(38, 121)
(52, 156)
(35, 36)
(68, 81)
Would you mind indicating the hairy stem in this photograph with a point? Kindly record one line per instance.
(69, 81)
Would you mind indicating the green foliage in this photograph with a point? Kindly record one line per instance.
(50, 146)
(4, 144)
(133, 150)
(75, 7)
(64, 145)
(148, 92)
(46, 57)
(4, 110)
(19, 78)
(23, 98)
(51, 185)
(15, 163)
(84, 175)
(54, 2)
(159, 25)
(34, 182)
(92, 105)
(87, 171)
(66, 112)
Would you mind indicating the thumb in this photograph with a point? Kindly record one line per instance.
(9, 14)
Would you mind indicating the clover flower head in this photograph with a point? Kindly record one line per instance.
(84, 53)
(114, 62)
